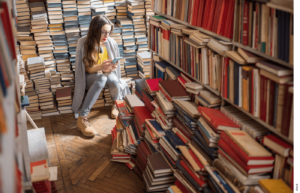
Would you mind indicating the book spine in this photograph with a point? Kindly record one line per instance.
(245, 23)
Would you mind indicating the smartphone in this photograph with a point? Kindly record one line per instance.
(115, 60)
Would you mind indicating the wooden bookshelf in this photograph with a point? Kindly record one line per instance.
(271, 128)
(281, 8)
(210, 33)
(271, 58)
(204, 85)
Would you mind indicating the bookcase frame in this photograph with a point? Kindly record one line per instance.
(235, 44)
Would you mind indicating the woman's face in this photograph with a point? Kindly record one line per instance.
(105, 32)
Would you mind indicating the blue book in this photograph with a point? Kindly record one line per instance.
(188, 120)
(203, 130)
(215, 185)
(187, 175)
(204, 148)
(172, 72)
(223, 182)
(152, 149)
(185, 113)
(134, 129)
(170, 161)
(171, 145)
(157, 126)
(174, 139)
(130, 69)
(199, 136)
(24, 100)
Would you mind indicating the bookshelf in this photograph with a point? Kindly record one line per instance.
(260, 121)
(194, 27)
(181, 70)
(235, 44)
(254, 51)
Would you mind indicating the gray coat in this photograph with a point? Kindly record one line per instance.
(80, 76)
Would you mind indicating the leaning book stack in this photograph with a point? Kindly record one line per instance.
(64, 100)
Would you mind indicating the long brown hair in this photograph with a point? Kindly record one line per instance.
(93, 36)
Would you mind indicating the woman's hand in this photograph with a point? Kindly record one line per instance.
(106, 65)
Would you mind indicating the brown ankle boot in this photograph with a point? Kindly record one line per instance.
(84, 126)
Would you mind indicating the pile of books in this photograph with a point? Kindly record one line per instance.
(143, 59)
(208, 99)
(64, 100)
(158, 175)
(67, 80)
(47, 104)
(55, 82)
(131, 66)
(55, 14)
(26, 42)
(23, 14)
(84, 16)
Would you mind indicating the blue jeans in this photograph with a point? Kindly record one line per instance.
(96, 82)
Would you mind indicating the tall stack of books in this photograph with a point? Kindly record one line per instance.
(39, 27)
(122, 66)
(27, 44)
(110, 12)
(64, 100)
(143, 59)
(47, 104)
(158, 175)
(131, 66)
(84, 16)
(23, 13)
(121, 9)
(55, 14)
(67, 80)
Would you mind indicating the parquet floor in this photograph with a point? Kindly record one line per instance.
(84, 164)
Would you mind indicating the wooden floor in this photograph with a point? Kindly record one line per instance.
(84, 164)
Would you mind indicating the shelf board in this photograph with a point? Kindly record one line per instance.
(271, 58)
(198, 28)
(271, 128)
(204, 85)
(281, 8)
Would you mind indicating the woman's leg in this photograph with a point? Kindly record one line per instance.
(113, 84)
(95, 83)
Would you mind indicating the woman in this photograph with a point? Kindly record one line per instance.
(94, 54)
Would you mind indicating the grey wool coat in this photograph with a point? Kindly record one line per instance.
(80, 74)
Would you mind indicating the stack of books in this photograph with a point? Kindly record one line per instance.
(55, 82)
(127, 35)
(140, 86)
(153, 132)
(55, 14)
(47, 104)
(40, 176)
(149, 12)
(132, 101)
(132, 87)
(141, 161)
(23, 13)
(237, 149)
(107, 97)
(120, 6)
(117, 150)
(158, 175)
(131, 66)
(84, 16)
(172, 89)
(67, 80)
(152, 85)
(193, 87)
(207, 98)
(26, 42)
(143, 59)
(284, 156)
(39, 27)
(187, 113)
(64, 100)
(124, 113)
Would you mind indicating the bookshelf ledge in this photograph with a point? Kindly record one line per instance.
(272, 129)
(198, 28)
(271, 58)
(206, 86)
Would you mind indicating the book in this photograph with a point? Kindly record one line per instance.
(158, 165)
(277, 145)
(173, 90)
(63, 93)
(152, 85)
(274, 185)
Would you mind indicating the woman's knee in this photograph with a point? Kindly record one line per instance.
(101, 81)
(112, 80)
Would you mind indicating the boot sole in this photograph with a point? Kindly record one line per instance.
(84, 134)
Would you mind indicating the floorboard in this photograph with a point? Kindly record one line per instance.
(84, 163)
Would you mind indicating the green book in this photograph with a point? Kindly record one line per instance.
(158, 17)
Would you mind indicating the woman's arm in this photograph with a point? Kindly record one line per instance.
(106, 65)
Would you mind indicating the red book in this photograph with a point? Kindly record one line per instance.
(200, 165)
(238, 160)
(245, 23)
(262, 87)
(142, 113)
(186, 78)
(181, 137)
(211, 14)
(181, 81)
(216, 16)
(165, 94)
(247, 169)
(181, 186)
(152, 84)
(271, 103)
(217, 119)
(206, 13)
(121, 156)
(200, 13)
(195, 12)
(222, 27)
(229, 32)
(138, 94)
(286, 113)
(242, 155)
(8, 29)
(277, 145)
(223, 12)
(191, 173)
(170, 158)
(256, 25)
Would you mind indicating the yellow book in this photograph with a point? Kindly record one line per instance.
(55, 25)
(274, 186)
(175, 189)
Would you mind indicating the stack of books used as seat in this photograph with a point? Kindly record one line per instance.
(107, 97)
(64, 100)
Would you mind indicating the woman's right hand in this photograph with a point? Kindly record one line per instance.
(106, 65)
